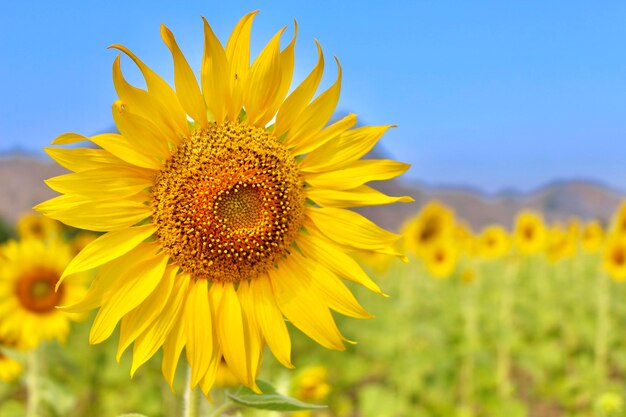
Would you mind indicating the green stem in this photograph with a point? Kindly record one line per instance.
(470, 335)
(192, 400)
(603, 318)
(503, 366)
(32, 383)
(222, 408)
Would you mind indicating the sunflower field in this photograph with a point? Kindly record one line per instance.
(210, 259)
(487, 323)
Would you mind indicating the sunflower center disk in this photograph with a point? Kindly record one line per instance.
(36, 293)
(228, 203)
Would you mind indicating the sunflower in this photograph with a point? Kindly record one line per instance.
(224, 207)
(433, 223)
(529, 233)
(560, 243)
(28, 299)
(441, 258)
(618, 223)
(9, 367)
(493, 242)
(592, 236)
(34, 225)
(614, 257)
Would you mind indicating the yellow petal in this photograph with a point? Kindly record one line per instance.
(252, 333)
(350, 146)
(270, 320)
(357, 197)
(125, 150)
(147, 105)
(230, 333)
(300, 97)
(108, 275)
(312, 119)
(198, 330)
(142, 316)
(107, 247)
(286, 65)
(68, 139)
(320, 138)
(263, 83)
(172, 347)
(101, 183)
(318, 248)
(354, 174)
(215, 75)
(99, 216)
(165, 325)
(238, 54)
(83, 159)
(296, 298)
(350, 229)
(187, 88)
(337, 296)
(141, 134)
(161, 90)
(138, 282)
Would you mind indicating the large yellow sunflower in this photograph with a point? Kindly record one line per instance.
(224, 206)
(28, 300)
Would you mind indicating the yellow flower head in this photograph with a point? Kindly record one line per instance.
(614, 257)
(467, 275)
(592, 236)
(9, 368)
(433, 223)
(493, 242)
(28, 300)
(529, 233)
(311, 384)
(441, 258)
(560, 243)
(618, 224)
(224, 206)
(33, 225)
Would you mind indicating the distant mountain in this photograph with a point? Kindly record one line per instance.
(22, 187)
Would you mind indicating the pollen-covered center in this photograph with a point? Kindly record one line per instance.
(228, 203)
(35, 290)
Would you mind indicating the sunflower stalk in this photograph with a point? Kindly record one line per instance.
(192, 399)
(33, 382)
(603, 318)
(471, 342)
(503, 366)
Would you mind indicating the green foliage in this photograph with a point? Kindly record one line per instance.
(6, 231)
(270, 399)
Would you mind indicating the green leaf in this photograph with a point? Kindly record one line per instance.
(269, 400)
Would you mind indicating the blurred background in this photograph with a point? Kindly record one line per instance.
(500, 107)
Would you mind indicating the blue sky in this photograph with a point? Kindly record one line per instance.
(490, 94)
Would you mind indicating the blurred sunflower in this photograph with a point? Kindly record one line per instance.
(592, 236)
(560, 243)
(28, 299)
(618, 224)
(441, 258)
(529, 233)
(9, 367)
(219, 224)
(433, 223)
(493, 242)
(311, 384)
(614, 257)
(33, 225)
